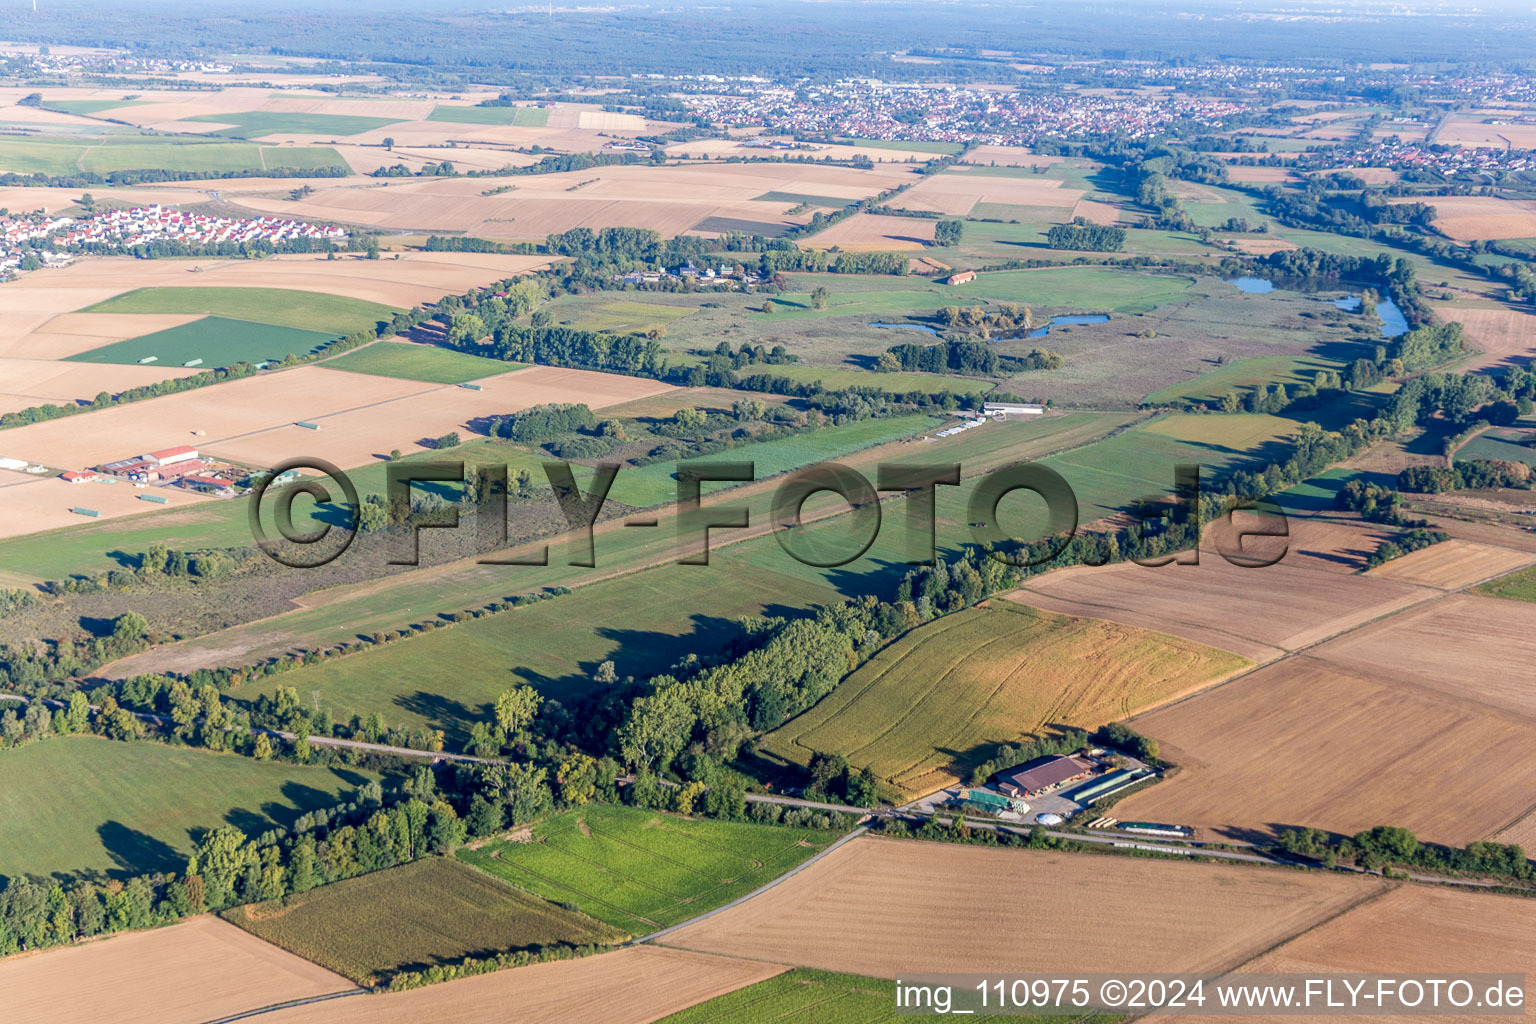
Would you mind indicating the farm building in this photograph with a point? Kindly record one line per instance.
(73, 477)
(1005, 409)
(993, 801)
(17, 464)
(1042, 774)
(964, 277)
(162, 465)
(207, 484)
(171, 456)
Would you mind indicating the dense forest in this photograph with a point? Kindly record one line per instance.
(442, 41)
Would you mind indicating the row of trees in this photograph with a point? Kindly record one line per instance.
(967, 357)
(1465, 474)
(1388, 845)
(1083, 234)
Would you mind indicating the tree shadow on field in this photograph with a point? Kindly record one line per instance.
(248, 821)
(135, 852)
(452, 716)
(297, 799)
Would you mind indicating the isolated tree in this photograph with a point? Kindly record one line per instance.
(820, 296)
(516, 708)
(606, 673)
(389, 144)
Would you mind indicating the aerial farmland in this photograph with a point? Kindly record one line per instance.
(684, 515)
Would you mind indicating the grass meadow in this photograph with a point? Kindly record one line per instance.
(214, 340)
(641, 870)
(430, 911)
(69, 155)
(426, 363)
(84, 804)
(523, 117)
(921, 717)
(284, 307)
(1517, 586)
(656, 484)
(253, 124)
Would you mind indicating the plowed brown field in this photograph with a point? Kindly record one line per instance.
(1453, 564)
(881, 907)
(1471, 648)
(201, 969)
(1412, 930)
(1505, 336)
(630, 986)
(1258, 613)
(1308, 743)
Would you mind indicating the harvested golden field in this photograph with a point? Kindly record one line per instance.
(928, 708)
(884, 906)
(1305, 742)
(1505, 336)
(1008, 156)
(1258, 246)
(1099, 213)
(43, 503)
(221, 411)
(654, 983)
(873, 231)
(1453, 564)
(1257, 613)
(1414, 930)
(414, 278)
(198, 970)
(1471, 130)
(1434, 646)
(1465, 218)
(364, 432)
(68, 334)
(670, 199)
(1264, 175)
(27, 382)
(957, 192)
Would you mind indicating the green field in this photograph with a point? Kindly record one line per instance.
(656, 484)
(1517, 586)
(1485, 446)
(253, 124)
(447, 679)
(932, 705)
(419, 362)
(837, 377)
(1080, 288)
(83, 804)
(215, 340)
(523, 117)
(65, 156)
(600, 313)
(284, 307)
(804, 996)
(1243, 375)
(430, 911)
(642, 870)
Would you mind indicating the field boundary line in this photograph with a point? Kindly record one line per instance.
(290, 1003)
(738, 901)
